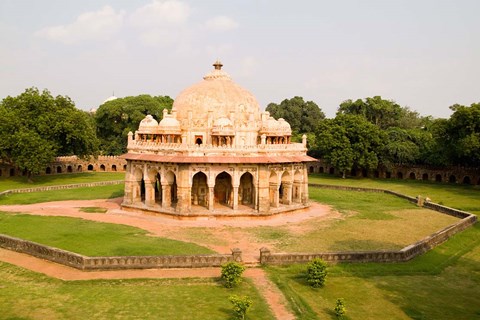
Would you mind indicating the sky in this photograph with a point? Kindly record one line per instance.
(422, 54)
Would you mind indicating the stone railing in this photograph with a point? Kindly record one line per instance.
(124, 262)
(61, 187)
(405, 254)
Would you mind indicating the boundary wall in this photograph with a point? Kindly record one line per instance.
(62, 187)
(405, 254)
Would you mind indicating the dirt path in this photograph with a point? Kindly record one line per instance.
(220, 235)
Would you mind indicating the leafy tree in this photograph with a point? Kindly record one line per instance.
(316, 273)
(117, 117)
(232, 273)
(302, 116)
(400, 147)
(240, 306)
(35, 127)
(382, 113)
(350, 141)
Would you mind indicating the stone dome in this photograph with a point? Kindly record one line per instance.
(218, 96)
(169, 124)
(148, 124)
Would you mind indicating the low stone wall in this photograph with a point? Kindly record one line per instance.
(405, 254)
(115, 263)
(61, 187)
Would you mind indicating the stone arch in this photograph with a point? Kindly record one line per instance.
(47, 171)
(114, 167)
(79, 168)
(12, 172)
(102, 167)
(222, 192)
(311, 169)
(273, 186)
(452, 179)
(200, 192)
(124, 167)
(138, 189)
(399, 175)
(331, 170)
(69, 169)
(412, 176)
(285, 190)
(321, 170)
(466, 180)
(59, 169)
(90, 167)
(246, 190)
(438, 178)
(425, 176)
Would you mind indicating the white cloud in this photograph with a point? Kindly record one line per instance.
(94, 25)
(221, 23)
(160, 13)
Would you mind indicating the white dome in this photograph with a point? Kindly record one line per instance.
(169, 125)
(110, 99)
(148, 124)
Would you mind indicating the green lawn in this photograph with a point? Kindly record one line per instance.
(92, 238)
(441, 284)
(86, 193)
(463, 197)
(28, 295)
(58, 179)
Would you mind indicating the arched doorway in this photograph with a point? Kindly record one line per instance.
(59, 169)
(223, 189)
(321, 170)
(274, 189)
(102, 167)
(412, 176)
(158, 189)
(114, 167)
(425, 177)
(399, 175)
(69, 169)
(311, 169)
(199, 190)
(170, 194)
(47, 171)
(246, 193)
(466, 180)
(452, 179)
(79, 168)
(90, 167)
(438, 178)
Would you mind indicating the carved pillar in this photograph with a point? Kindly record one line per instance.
(166, 195)
(287, 193)
(297, 191)
(235, 198)
(149, 193)
(305, 186)
(210, 198)
(275, 201)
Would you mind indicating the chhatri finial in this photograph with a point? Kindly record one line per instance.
(218, 65)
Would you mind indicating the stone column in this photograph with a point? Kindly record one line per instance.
(297, 191)
(263, 190)
(287, 193)
(166, 195)
(275, 195)
(128, 197)
(210, 198)
(149, 193)
(305, 186)
(235, 198)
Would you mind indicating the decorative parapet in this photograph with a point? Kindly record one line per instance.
(114, 263)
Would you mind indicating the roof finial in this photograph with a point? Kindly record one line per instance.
(218, 65)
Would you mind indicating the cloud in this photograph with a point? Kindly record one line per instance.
(221, 23)
(161, 23)
(160, 14)
(94, 25)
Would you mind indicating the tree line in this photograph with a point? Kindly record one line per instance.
(369, 132)
(35, 127)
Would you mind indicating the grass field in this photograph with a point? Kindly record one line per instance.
(28, 295)
(441, 284)
(92, 238)
(58, 179)
(463, 197)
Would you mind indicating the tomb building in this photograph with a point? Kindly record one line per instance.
(215, 154)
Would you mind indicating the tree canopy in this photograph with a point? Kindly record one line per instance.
(114, 119)
(35, 127)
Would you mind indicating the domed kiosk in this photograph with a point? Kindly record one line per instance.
(215, 154)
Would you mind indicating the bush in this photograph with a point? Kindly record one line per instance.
(232, 273)
(316, 273)
(340, 308)
(240, 306)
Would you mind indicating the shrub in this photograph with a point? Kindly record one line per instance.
(316, 273)
(240, 305)
(232, 273)
(340, 308)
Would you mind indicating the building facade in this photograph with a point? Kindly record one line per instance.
(215, 154)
